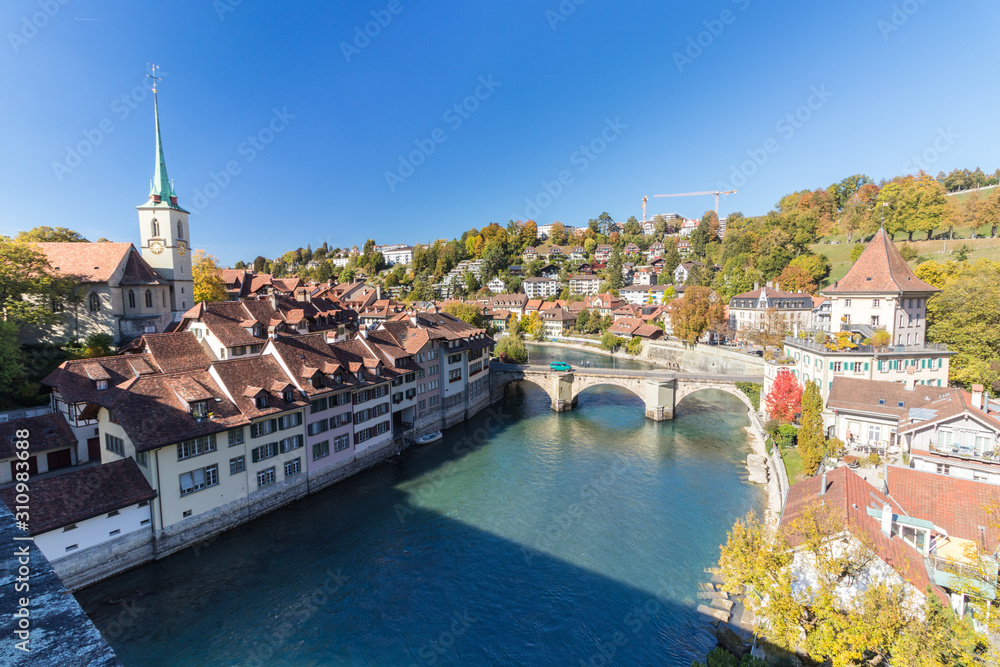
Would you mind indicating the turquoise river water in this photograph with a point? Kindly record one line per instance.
(524, 537)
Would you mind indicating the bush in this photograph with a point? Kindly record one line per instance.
(720, 657)
(835, 447)
(752, 391)
(634, 346)
(511, 350)
(609, 341)
(787, 436)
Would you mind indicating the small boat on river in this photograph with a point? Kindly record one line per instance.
(428, 438)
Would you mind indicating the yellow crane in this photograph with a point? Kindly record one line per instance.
(692, 194)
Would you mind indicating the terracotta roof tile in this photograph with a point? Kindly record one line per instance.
(45, 434)
(879, 269)
(87, 262)
(83, 494)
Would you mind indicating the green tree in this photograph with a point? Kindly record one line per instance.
(609, 341)
(557, 235)
(966, 317)
(260, 264)
(30, 292)
(811, 446)
(856, 252)
(913, 204)
(97, 345)
(51, 235)
(467, 313)
(613, 272)
(512, 350)
(534, 326)
(11, 362)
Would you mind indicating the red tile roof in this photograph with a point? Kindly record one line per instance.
(957, 505)
(174, 352)
(83, 494)
(848, 494)
(87, 262)
(46, 433)
(879, 269)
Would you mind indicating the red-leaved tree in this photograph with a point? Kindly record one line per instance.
(784, 400)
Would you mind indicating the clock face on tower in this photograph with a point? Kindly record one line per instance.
(181, 248)
(156, 247)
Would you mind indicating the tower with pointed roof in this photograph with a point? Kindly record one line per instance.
(880, 291)
(164, 231)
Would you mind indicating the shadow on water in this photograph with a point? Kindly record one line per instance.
(413, 562)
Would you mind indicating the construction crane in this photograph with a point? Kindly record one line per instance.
(693, 194)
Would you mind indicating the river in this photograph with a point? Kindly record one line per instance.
(525, 537)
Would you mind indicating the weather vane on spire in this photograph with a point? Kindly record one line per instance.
(152, 75)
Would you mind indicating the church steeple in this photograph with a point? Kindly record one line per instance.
(161, 190)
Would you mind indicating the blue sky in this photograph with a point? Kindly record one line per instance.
(616, 99)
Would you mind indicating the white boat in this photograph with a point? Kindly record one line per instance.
(428, 438)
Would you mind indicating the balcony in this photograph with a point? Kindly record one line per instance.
(807, 344)
(965, 452)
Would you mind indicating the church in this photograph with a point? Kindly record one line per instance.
(122, 291)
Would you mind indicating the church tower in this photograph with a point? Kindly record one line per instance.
(163, 228)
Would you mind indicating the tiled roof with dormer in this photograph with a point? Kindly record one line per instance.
(880, 269)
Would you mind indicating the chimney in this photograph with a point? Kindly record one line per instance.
(378, 292)
(300, 294)
(274, 300)
(756, 285)
(822, 484)
(887, 520)
(977, 396)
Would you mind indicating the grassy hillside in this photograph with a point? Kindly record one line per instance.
(962, 196)
(839, 254)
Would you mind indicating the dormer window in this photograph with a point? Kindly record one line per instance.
(289, 395)
(261, 401)
(102, 385)
(338, 378)
(317, 381)
(199, 410)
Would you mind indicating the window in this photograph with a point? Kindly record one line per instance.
(289, 395)
(149, 298)
(237, 465)
(319, 405)
(321, 450)
(293, 467)
(264, 452)
(433, 370)
(261, 401)
(102, 385)
(289, 421)
(454, 358)
(113, 513)
(847, 303)
(71, 526)
(874, 432)
(837, 366)
(199, 410)
(944, 439)
(113, 444)
(154, 225)
(943, 469)
(341, 442)
(263, 428)
(288, 444)
(195, 447)
(199, 479)
(455, 375)
(142, 458)
(340, 420)
(115, 532)
(236, 437)
(94, 303)
(180, 230)
(318, 427)
(434, 400)
(875, 303)
(265, 477)
(422, 405)
(131, 298)
(874, 320)
(71, 547)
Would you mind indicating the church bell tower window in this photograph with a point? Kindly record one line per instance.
(155, 225)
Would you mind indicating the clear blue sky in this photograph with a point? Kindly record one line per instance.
(895, 78)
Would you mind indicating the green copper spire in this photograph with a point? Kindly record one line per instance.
(161, 182)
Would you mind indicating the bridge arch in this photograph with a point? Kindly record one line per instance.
(500, 385)
(635, 387)
(686, 389)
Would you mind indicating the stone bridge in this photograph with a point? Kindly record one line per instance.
(660, 390)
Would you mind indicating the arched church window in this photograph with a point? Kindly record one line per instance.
(149, 298)
(94, 303)
(131, 298)
(180, 230)
(155, 224)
